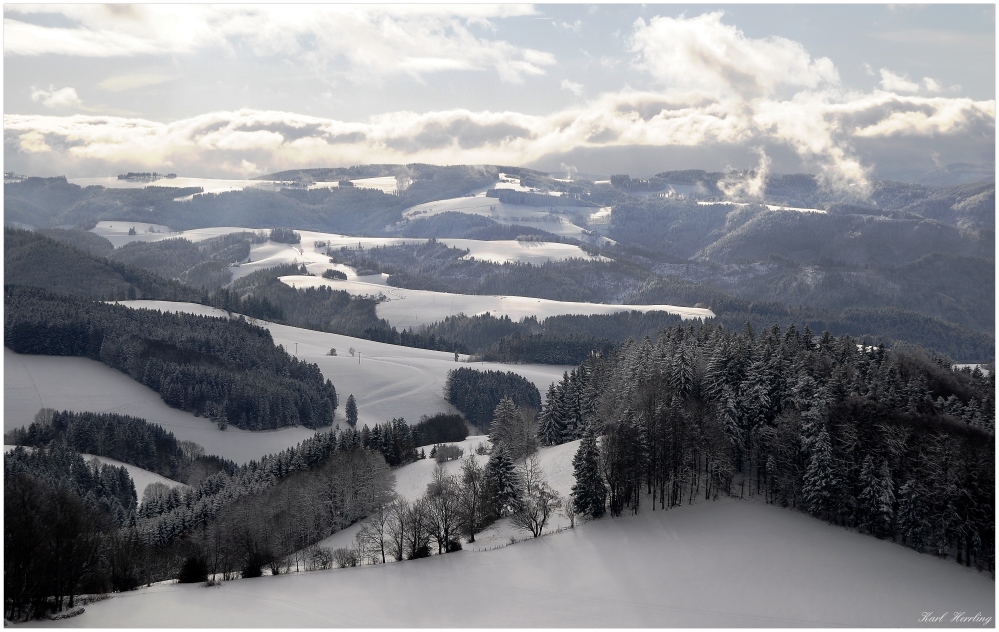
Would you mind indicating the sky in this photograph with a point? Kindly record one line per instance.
(847, 92)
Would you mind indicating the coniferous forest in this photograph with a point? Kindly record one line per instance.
(228, 370)
(895, 444)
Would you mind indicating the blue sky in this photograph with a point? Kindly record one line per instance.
(847, 92)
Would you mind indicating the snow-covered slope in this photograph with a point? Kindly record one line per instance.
(32, 382)
(270, 254)
(716, 564)
(415, 308)
(388, 381)
(568, 221)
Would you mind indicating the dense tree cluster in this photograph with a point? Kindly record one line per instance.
(179, 512)
(477, 393)
(565, 339)
(228, 370)
(80, 239)
(893, 443)
(335, 274)
(570, 405)
(123, 438)
(439, 428)
(285, 236)
(66, 529)
(395, 440)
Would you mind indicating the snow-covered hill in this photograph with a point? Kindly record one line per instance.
(568, 221)
(32, 382)
(388, 381)
(714, 564)
(270, 254)
(415, 308)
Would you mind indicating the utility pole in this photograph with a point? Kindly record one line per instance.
(296, 348)
(358, 357)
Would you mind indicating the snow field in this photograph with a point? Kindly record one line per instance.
(512, 214)
(728, 563)
(388, 381)
(771, 207)
(270, 254)
(414, 308)
(220, 185)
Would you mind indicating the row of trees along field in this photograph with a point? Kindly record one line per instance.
(895, 444)
(228, 370)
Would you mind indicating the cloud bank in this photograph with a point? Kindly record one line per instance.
(360, 43)
(711, 85)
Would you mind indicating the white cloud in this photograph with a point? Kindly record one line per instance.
(575, 88)
(360, 42)
(702, 53)
(575, 27)
(897, 83)
(52, 98)
(119, 83)
(282, 140)
(931, 84)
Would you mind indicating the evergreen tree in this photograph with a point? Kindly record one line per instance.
(877, 498)
(501, 483)
(589, 493)
(819, 485)
(550, 430)
(911, 511)
(351, 411)
(504, 419)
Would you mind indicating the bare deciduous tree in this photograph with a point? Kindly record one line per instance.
(539, 501)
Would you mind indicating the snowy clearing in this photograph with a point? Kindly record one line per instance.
(719, 564)
(771, 207)
(220, 185)
(270, 254)
(560, 220)
(415, 308)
